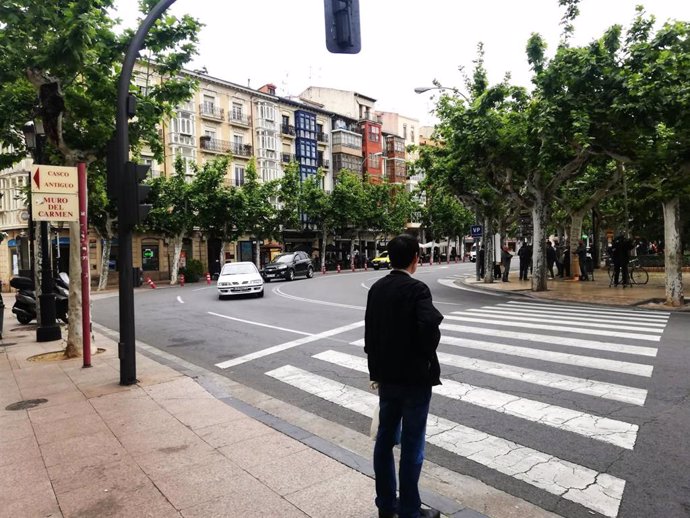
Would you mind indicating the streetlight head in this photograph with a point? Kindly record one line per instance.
(422, 89)
(29, 131)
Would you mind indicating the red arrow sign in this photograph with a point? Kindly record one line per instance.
(37, 177)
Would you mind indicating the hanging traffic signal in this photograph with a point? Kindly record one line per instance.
(137, 194)
(342, 26)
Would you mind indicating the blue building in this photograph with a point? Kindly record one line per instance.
(306, 151)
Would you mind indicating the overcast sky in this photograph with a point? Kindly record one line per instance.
(405, 43)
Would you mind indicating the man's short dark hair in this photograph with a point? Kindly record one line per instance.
(402, 249)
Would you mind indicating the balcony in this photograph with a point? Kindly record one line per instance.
(325, 163)
(181, 139)
(265, 124)
(241, 149)
(322, 137)
(211, 111)
(288, 157)
(287, 129)
(239, 119)
(214, 145)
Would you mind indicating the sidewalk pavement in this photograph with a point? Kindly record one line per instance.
(597, 291)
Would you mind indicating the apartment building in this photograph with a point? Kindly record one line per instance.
(354, 106)
(407, 128)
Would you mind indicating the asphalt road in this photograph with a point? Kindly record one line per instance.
(581, 410)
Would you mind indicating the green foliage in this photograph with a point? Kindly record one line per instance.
(174, 210)
(288, 213)
(316, 203)
(193, 271)
(68, 54)
(348, 202)
(259, 217)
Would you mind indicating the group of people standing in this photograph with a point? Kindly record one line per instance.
(558, 256)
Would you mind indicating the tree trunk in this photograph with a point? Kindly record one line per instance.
(177, 251)
(38, 251)
(324, 237)
(352, 250)
(539, 217)
(105, 260)
(576, 231)
(673, 253)
(257, 253)
(75, 336)
(489, 259)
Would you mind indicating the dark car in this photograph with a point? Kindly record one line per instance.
(288, 266)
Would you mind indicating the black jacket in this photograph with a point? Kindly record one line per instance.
(401, 332)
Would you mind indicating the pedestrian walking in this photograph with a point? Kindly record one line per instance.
(506, 257)
(525, 256)
(550, 258)
(480, 258)
(401, 354)
(581, 252)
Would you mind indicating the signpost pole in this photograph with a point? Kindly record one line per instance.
(84, 252)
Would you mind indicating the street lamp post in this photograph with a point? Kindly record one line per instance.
(48, 330)
(30, 139)
(423, 89)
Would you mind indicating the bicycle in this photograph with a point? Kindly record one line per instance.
(636, 273)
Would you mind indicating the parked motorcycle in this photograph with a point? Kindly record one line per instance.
(25, 299)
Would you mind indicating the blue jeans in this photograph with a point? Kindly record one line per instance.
(411, 405)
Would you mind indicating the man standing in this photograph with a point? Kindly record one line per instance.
(550, 258)
(506, 257)
(401, 335)
(620, 251)
(525, 255)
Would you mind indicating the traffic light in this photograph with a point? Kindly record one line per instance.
(137, 208)
(342, 26)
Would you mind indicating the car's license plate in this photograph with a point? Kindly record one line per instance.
(240, 289)
(269, 275)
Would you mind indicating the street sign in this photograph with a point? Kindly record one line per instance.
(55, 207)
(148, 253)
(476, 231)
(54, 179)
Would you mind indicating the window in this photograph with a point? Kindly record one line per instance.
(267, 141)
(286, 120)
(237, 111)
(183, 123)
(209, 133)
(352, 140)
(412, 134)
(267, 111)
(374, 134)
(209, 102)
(374, 161)
(239, 175)
(405, 131)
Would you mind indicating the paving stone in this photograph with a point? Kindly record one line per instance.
(231, 432)
(19, 450)
(262, 450)
(84, 446)
(49, 414)
(62, 429)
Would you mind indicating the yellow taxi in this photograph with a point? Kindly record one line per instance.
(382, 261)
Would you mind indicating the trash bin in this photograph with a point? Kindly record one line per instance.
(136, 276)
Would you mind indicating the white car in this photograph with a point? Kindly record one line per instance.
(240, 279)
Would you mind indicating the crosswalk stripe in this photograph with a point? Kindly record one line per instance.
(597, 491)
(592, 362)
(358, 343)
(569, 313)
(618, 433)
(588, 309)
(566, 329)
(586, 320)
(599, 389)
(553, 339)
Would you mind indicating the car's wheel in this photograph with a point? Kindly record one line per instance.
(290, 275)
(376, 267)
(24, 319)
(310, 272)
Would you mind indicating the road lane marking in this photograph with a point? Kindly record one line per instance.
(612, 431)
(204, 288)
(179, 299)
(588, 309)
(260, 324)
(451, 284)
(575, 313)
(591, 362)
(556, 319)
(277, 291)
(600, 389)
(563, 318)
(288, 345)
(597, 491)
(570, 329)
(553, 339)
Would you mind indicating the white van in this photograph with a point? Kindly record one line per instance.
(473, 253)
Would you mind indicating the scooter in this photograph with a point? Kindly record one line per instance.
(25, 299)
